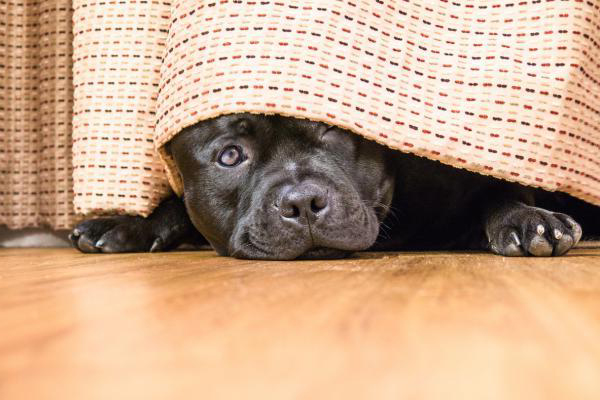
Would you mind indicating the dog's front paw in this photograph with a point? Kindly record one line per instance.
(531, 231)
(120, 234)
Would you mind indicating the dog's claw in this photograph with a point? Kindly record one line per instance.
(516, 238)
(557, 234)
(157, 245)
(540, 230)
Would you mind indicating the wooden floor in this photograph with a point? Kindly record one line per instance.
(382, 326)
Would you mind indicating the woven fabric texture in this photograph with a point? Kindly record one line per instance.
(35, 114)
(508, 89)
(503, 88)
(118, 49)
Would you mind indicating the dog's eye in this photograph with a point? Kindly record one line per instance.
(231, 156)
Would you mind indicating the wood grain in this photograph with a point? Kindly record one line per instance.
(397, 326)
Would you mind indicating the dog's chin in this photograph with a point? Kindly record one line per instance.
(315, 253)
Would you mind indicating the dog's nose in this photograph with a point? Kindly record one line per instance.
(307, 200)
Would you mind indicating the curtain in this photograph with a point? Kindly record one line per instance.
(118, 51)
(74, 147)
(90, 90)
(506, 89)
(36, 186)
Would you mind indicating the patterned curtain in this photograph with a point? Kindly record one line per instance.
(36, 102)
(501, 88)
(78, 89)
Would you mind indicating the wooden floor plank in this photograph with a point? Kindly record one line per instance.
(382, 325)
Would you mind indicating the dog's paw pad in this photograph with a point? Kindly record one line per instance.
(535, 232)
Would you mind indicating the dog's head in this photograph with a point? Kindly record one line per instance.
(272, 187)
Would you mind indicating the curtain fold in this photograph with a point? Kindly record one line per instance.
(35, 114)
(118, 50)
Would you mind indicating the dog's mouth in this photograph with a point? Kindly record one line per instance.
(251, 251)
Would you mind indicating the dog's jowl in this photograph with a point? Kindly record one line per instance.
(272, 187)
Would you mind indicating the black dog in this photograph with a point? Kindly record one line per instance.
(272, 187)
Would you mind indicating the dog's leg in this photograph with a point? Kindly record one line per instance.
(166, 228)
(514, 227)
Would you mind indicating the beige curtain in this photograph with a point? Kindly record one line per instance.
(118, 51)
(35, 113)
(506, 89)
(510, 90)
(78, 89)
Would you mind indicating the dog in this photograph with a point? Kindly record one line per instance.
(281, 188)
